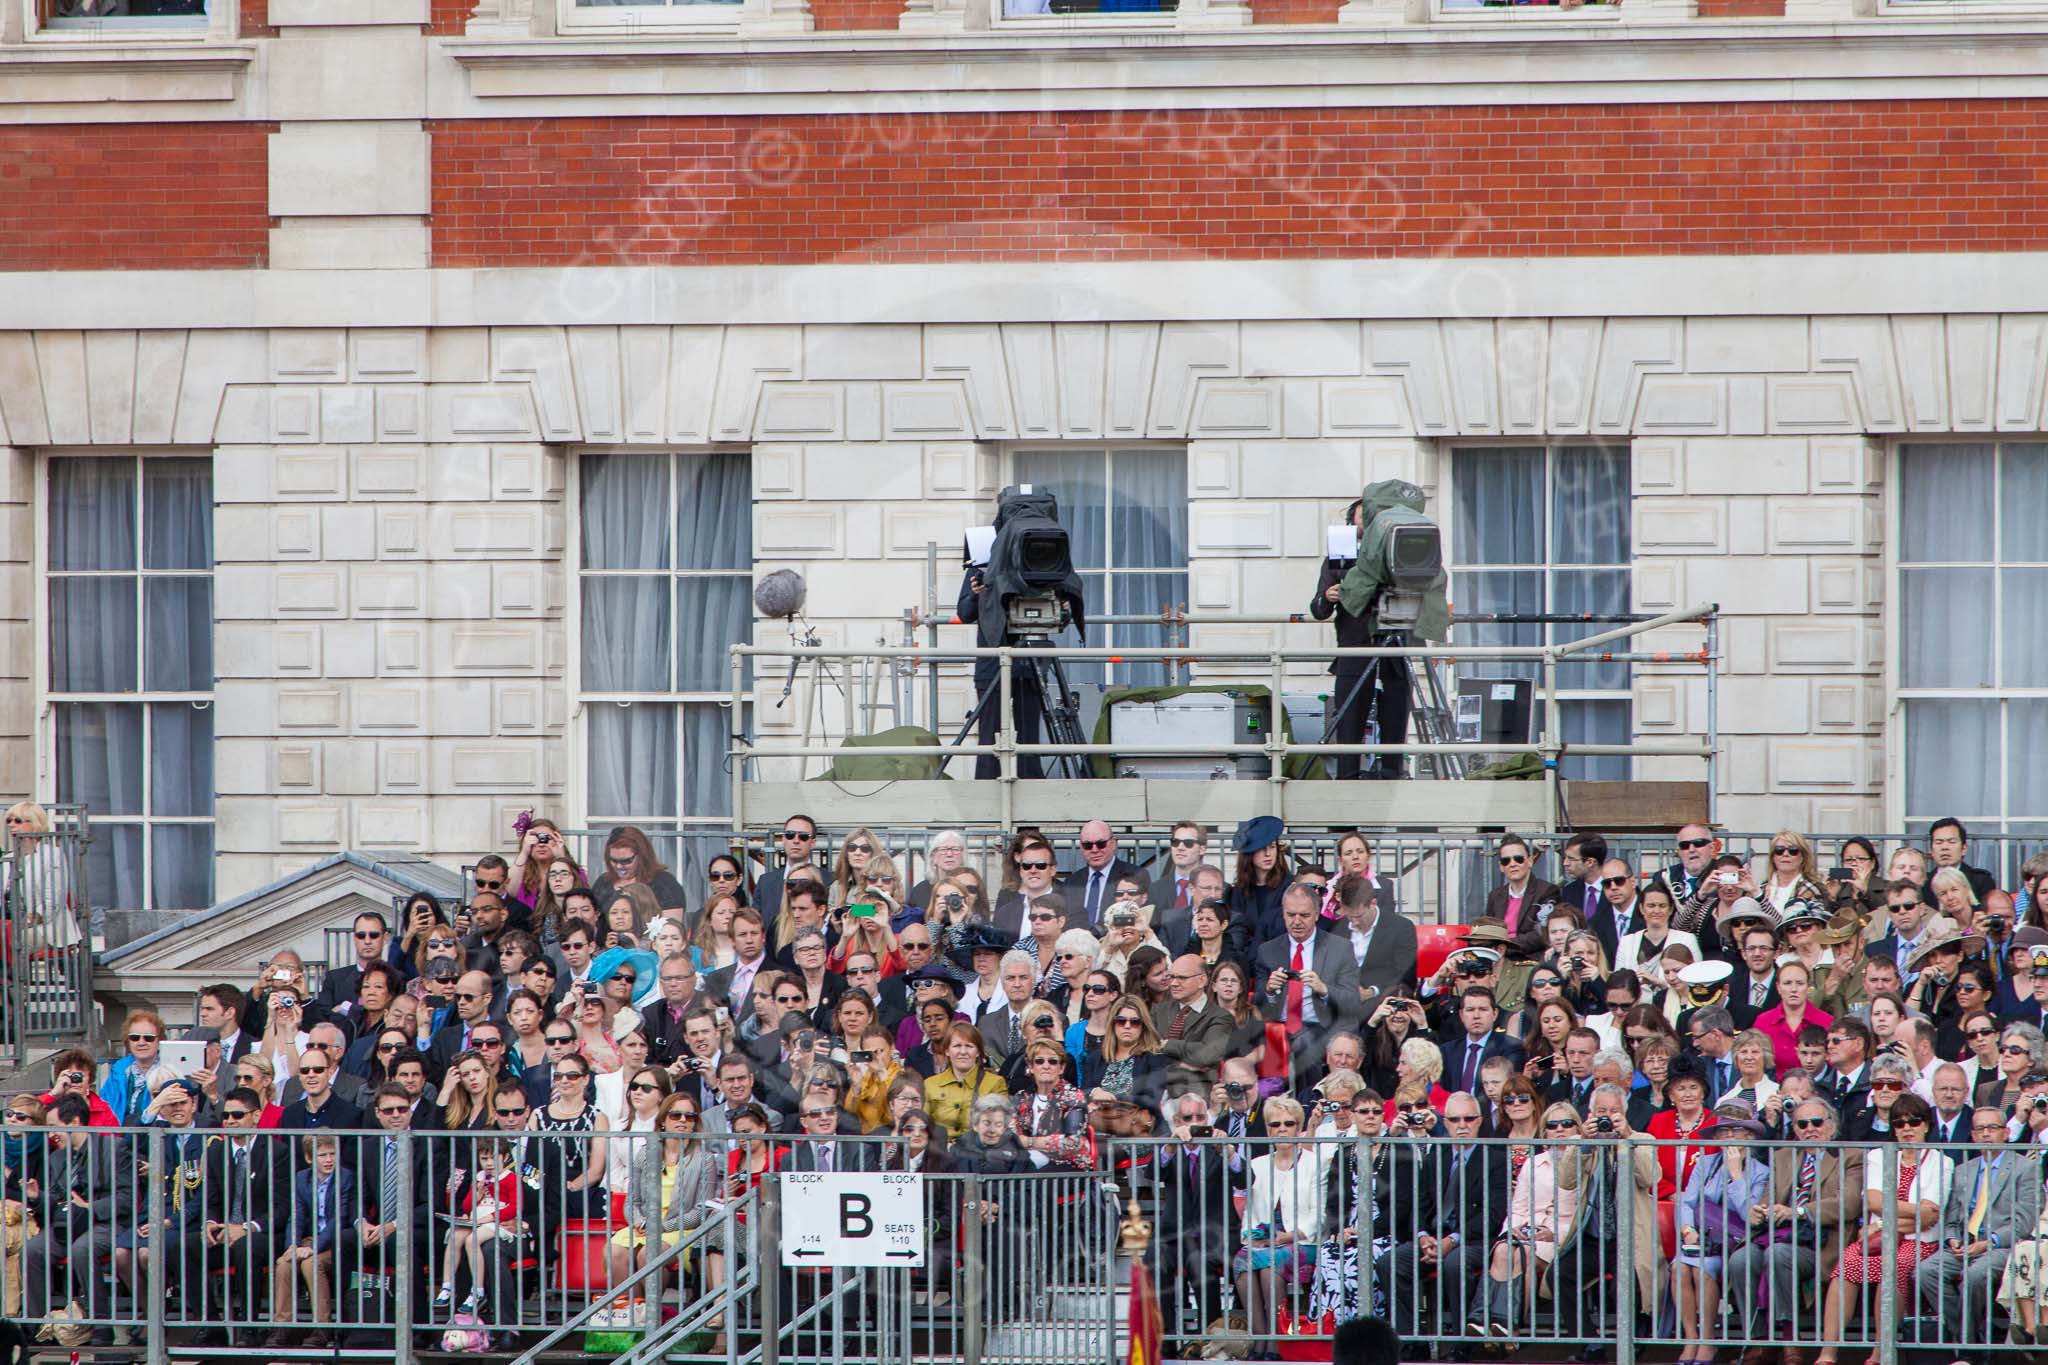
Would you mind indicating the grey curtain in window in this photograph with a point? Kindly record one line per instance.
(1973, 617)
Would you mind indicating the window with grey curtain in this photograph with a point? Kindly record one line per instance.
(1126, 514)
(1546, 529)
(1973, 632)
(130, 671)
(665, 587)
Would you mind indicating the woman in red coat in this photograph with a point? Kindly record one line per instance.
(1686, 1089)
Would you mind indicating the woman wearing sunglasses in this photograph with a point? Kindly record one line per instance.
(850, 868)
(1132, 1069)
(671, 1178)
(642, 1091)
(1792, 876)
(1283, 1217)
(1539, 1219)
(1051, 1117)
(629, 858)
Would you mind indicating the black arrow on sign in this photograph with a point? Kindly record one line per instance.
(807, 1251)
(906, 1255)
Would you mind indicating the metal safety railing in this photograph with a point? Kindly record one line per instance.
(372, 1243)
(1271, 666)
(46, 987)
(1575, 1233)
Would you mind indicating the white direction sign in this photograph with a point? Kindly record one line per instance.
(852, 1218)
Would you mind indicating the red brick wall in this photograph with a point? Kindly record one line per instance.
(1741, 9)
(1555, 181)
(1295, 11)
(256, 19)
(109, 196)
(449, 16)
(845, 14)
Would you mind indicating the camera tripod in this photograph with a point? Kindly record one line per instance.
(1059, 711)
(1429, 714)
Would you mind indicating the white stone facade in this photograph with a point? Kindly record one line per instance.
(393, 591)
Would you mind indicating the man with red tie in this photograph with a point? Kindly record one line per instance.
(1307, 979)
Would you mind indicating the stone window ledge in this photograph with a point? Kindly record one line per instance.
(52, 70)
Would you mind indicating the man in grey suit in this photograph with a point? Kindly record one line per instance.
(1382, 942)
(1307, 980)
(1194, 1031)
(1993, 1201)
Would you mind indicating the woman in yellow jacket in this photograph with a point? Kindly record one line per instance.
(949, 1096)
(871, 1070)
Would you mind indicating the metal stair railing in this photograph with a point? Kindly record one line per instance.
(732, 1292)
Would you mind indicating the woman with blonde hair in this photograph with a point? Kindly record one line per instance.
(1282, 1218)
(711, 946)
(35, 885)
(868, 932)
(1793, 877)
(850, 867)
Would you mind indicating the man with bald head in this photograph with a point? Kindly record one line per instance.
(473, 998)
(1091, 887)
(1194, 1031)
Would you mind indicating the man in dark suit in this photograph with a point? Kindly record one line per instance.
(1002, 1023)
(1307, 980)
(732, 985)
(819, 1147)
(372, 939)
(1754, 987)
(1581, 859)
(1194, 1031)
(1697, 849)
(1173, 895)
(1519, 900)
(1196, 1182)
(1845, 1080)
(662, 1020)
(1382, 942)
(1617, 916)
(1092, 886)
(1036, 876)
(90, 1193)
(1909, 915)
(1462, 1191)
(383, 1207)
(1481, 1040)
(242, 1212)
(473, 998)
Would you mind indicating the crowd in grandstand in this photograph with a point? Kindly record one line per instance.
(1321, 1129)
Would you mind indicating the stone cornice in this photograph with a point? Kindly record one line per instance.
(1452, 61)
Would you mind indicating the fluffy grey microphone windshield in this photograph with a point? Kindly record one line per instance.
(780, 594)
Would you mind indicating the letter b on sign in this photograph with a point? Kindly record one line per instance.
(854, 1217)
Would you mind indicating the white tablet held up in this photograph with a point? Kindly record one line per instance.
(184, 1058)
(1343, 543)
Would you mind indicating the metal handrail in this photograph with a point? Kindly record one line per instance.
(48, 906)
(656, 1269)
(1277, 745)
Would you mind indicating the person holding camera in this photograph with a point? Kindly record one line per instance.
(1939, 960)
(1615, 1176)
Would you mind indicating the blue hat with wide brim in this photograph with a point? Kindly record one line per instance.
(1259, 832)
